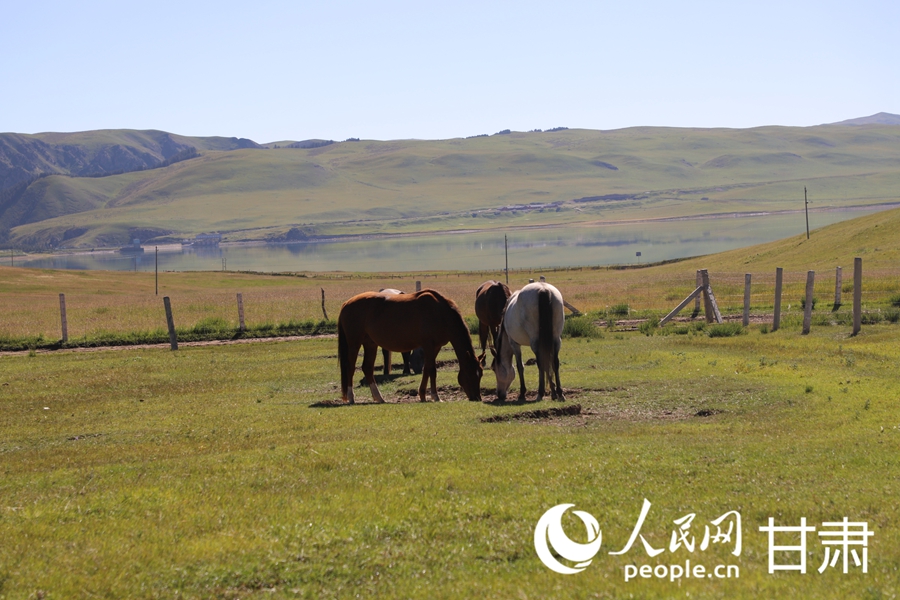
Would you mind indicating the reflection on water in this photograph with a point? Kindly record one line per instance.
(566, 246)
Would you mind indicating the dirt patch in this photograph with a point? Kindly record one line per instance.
(708, 412)
(83, 436)
(636, 414)
(534, 415)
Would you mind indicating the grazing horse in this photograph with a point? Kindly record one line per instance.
(408, 366)
(490, 300)
(533, 316)
(401, 322)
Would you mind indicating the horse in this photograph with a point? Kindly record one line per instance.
(412, 361)
(533, 316)
(401, 322)
(490, 300)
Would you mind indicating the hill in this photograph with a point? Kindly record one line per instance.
(516, 179)
(24, 157)
(881, 118)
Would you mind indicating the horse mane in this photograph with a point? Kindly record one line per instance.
(463, 329)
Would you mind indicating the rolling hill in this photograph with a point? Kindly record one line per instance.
(253, 192)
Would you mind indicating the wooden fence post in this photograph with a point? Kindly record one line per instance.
(807, 309)
(779, 276)
(173, 339)
(838, 277)
(418, 286)
(746, 299)
(857, 295)
(707, 305)
(62, 318)
(697, 301)
(325, 314)
(240, 301)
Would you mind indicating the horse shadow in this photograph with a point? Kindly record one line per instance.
(381, 379)
(341, 403)
(517, 402)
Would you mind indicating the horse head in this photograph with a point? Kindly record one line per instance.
(470, 379)
(505, 374)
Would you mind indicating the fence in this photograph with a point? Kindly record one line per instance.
(284, 299)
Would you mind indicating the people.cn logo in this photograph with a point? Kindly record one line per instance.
(549, 533)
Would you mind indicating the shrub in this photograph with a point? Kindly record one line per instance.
(473, 324)
(803, 303)
(892, 316)
(211, 325)
(580, 326)
(894, 300)
(620, 310)
(871, 318)
(649, 326)
(726, 330)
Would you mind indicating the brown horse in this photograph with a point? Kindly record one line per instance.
(490, 300)
(400, 323)
(407, 365)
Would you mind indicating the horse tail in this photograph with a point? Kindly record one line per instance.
(343, 358)
(545, 331)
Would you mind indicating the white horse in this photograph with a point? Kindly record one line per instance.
(533, 316)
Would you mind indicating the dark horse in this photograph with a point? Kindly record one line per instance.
(490, 300)
(400, 323)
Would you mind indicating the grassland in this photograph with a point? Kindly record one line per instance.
(372, 187)
(228, 472)
(216, 472)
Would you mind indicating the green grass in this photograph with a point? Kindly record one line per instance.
(208, 472)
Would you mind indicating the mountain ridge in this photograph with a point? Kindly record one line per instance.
(260, 192)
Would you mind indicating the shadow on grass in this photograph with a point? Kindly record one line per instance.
(341, 403)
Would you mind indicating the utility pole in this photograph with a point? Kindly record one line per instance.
(506, 253)
(806, 206)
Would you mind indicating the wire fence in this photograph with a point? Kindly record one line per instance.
(596, 290)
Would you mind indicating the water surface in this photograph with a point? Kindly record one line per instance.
(536, 248)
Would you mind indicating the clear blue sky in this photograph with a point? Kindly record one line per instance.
(271, 71)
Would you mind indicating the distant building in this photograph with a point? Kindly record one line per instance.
(204, 239)
(134, 248)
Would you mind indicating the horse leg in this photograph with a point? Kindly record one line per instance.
(540, 365)
(368, 368)
(428, 367)
(434, 394)
(559, 389)
(483, 333)
(387, 360)
(406, 370)
(429, 372)
(352, 355)
(517, 350)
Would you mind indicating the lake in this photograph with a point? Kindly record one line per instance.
(533, 248)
